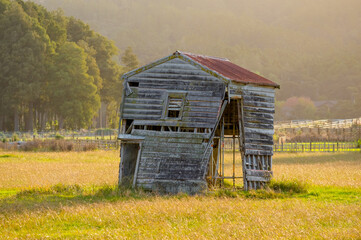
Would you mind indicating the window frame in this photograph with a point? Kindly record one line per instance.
(168, 96)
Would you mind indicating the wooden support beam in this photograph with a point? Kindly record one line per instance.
(137, 166)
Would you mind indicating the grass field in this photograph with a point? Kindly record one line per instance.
(73, 195)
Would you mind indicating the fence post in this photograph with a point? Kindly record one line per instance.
(310, 146)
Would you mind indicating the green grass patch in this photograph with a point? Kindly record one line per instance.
(333, 194)
(7, 156)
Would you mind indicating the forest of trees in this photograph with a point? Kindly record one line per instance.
(55, 72)
(311, 48)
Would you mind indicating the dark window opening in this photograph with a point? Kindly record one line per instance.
(185, 129)
(201, 130)
(173, 113)
(133, 84)
(128, 123)
(154, 128)
(174, 108)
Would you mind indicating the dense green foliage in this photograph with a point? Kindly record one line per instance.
(311, 48)
(54, 70)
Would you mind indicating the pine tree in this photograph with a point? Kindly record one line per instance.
(73, 92)
(24, 46)
(129, 59)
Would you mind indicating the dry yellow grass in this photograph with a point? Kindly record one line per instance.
(322, 169)
(190, 218)
(29, 169)
(334, 214)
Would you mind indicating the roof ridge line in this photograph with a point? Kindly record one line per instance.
(201, 55)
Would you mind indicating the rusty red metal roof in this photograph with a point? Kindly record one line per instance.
(230, 70)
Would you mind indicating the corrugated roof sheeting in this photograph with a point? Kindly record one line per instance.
(230, 70)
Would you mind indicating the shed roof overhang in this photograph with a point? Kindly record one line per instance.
(130, 138)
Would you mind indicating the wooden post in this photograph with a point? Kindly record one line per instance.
(222, 137)
(234, 156)
(137, 165)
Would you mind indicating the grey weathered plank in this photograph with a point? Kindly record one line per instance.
(180, 86)
(140, 116)
(175, 83)
(254, 135)
(200, 114)
(181, 69)
(258, 152)
(174, 123)
(131, 100)
(171, 155)
(259, 104)
(169, 134)
(182, 66)
(203, 98)
(148, 149)
(143, 106)
(204, 103)
(172, 76)
(258, 125)
(262, 147)
(173, 145)
(157, 159)
(175, 140)
(200, 119)
(201, 109)
(258, 120)
(142, 111)
(259, 141)
(258, 109)
(258, 115)
(251, 98)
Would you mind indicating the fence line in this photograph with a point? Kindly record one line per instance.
(317, 147)
(307, 146)
(100, 144)
(325, 123)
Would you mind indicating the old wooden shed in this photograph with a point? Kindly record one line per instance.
(175, 114)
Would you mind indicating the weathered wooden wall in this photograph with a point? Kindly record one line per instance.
(204, 94)
(258, 111)
(173, 161)
(258, 105)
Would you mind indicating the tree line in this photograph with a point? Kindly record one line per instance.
(55, 71)
(311, 48)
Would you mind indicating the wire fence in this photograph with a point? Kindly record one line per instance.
(317, 147)
(325, 123)
(306, 146)
(99, 144)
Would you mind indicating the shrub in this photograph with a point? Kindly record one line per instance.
(15, 137)
(288, 186)
(58, 136)
(8, 146)
(89, 147)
